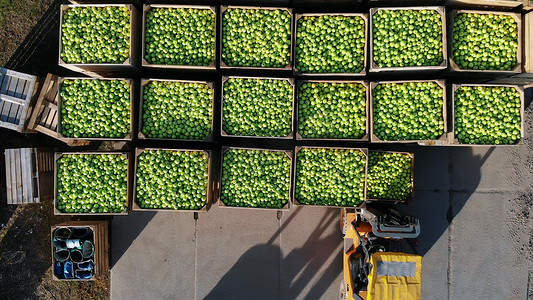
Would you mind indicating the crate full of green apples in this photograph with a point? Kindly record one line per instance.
(98, 39)
(172, 180)
(95, 109)
(330, 176)
(255, 179)
(487, 114)
(92, 183)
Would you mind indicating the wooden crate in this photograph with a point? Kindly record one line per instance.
(452, 139)
(224, 66)
(364, 138)
(375, 68)
(297, 17)
(101, 246)
(441, 141)
(452, 66)
(485, 4)
(295, 165)
(129, 181)
(146, 64)
(410, 198)
(29, 175)
(210, 182)
(218, 189)
(102, 70)
(16, 95)
(58, 99)
(145, 82)
(44, 114)
(224, 133)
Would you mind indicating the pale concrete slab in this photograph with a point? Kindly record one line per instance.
(238, 254)
(311, 245)
(490, 169)
(159, 261)
(484, 259)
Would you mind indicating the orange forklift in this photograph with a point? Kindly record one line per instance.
(380, 261)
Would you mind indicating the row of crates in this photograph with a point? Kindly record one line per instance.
(136, 60)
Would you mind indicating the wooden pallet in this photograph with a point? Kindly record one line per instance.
(29, 175)
(16, 94)
(45, 114)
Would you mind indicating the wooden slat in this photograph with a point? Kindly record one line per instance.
(5, 84)
(19, 75)
(7, 154)
(18, 176)
(13, 99)
(35, 188)
(14, 199)
(45, 130)
(32, 175)
(11, 126)
(43, 120)
(14, 114)
(2, 103)
(19, 90)
(4, 113)
(24, 173)
(11, 88)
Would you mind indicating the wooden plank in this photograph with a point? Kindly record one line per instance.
(45, 130)
(53, 124)
(14, 114)
(2, 103)
(18, 175)
(5, 84)
(4, 113)
(19, 75)
(24, 182)
(35, 188)
(11, 126)
(7, 154)
(14, 199)
(11, 88)
(43, 120)
(32, 170)
(19, 89)
(13, 99)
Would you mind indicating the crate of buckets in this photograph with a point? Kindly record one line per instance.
(80, 250)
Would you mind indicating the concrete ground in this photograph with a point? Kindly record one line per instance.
(475, 206)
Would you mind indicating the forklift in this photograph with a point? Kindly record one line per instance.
(380, 261)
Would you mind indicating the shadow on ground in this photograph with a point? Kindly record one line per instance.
(126, 236)
(38, 54)
(245, 281)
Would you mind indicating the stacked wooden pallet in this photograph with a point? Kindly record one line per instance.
(29, 175)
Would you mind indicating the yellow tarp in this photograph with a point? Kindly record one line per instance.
(395, 276)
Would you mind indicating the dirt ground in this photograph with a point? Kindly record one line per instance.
(28, 31)
(25, 257)
(17, 18)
